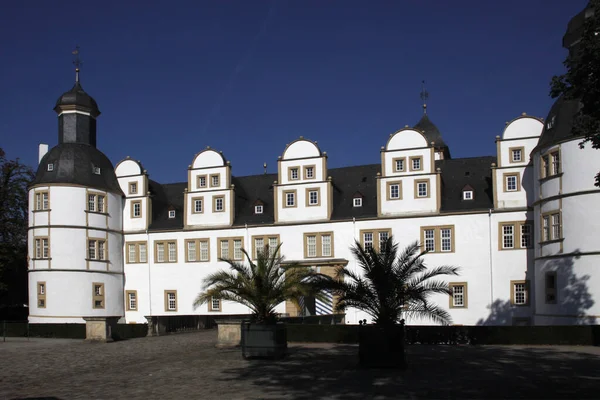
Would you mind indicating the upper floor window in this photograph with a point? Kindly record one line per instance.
(374, 239)
(467, 195)
(133, 187)
(550, 164)
(289, 198)
(219, 203)
(422, 188)
(264, 243)
(258, 209)
(515, 235)
(171, 214)
(166, 252)
(399, 164)
(511, 182)
(97, 170)
(516, 154)
(357, 202)
(551, 226)
(309, 172)
(42, 201)
(97, 249)
(416, 163)
(202, 181)
(136, 252)
(394, 190)
(438, 239)
(294, 173)
(96, 203)
(214, 180)
(197, 205)
(42, 248)
(318, 244)
(136, 209)
(197, 250)
(312, 197)
(50, 167)
(231, 248)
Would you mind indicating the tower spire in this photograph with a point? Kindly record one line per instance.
(424, 97)
(76, 62)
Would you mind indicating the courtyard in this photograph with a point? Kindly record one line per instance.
(190, 366)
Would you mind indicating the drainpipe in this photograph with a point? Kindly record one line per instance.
(247, 237)
(355, 238)
(149, 270)
(491, 258)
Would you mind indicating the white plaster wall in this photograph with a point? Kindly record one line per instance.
(301, 148)
(408, 203)
(523, 127)
(128, 167)
(210, 217)
(141, 181)
(425, 168)
(135, 224)
(579, 166)
(302, 212)
(505, 155)
(519, 198)
(208, 158)
(581, 223)
(406, 139)
(320, 172)
(223, 173)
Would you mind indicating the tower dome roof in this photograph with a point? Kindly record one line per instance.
(559, 124)
(79, 98)
(432, 134)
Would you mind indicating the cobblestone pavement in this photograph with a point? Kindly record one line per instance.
(188, 366)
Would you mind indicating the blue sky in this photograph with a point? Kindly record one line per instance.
(247, 77)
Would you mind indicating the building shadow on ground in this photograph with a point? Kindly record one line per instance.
(312, 372)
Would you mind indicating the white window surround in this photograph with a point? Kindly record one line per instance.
(258, 209)
(97, 170)
(357, 202)
(171, 213)
(467, 195)
(50, 167)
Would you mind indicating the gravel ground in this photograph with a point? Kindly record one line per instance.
(188, 366)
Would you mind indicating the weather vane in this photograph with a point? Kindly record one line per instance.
(76, 62)
(424, 96)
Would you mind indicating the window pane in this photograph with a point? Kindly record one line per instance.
(45, 248)
(172, 301)
(203, 250)
(368, 240)
(172, 252)
(525, 235)
(224, 249)
(416, 163)
(131, 253)
(191, 250)
(38, 248)
(546, 228)
(290, 199)
(458, 296)
(399, 165)
(237, 249)
(259, 246)
(326, 245)
(383, 237)
(219, 204)
(198, 206)
(430, 239)
(309, 172)
(394, 191)
(520, 293)
(101, 250)
(273, 242)
(45, 201)
(311, 246)
(511, 183)
(160, 252)
(422, 189)
(313, 197)
(508, 237)
(216, 303)
(446, 239)
(556, 226)
(92, 250)
(100, 203)
(91, 202)
(142, 249)
(555, 163)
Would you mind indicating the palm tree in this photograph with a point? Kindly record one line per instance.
(392, 286)
(260, 285)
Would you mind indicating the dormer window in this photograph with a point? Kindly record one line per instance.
(50, 167)
(357, 202)
(467, 195)
(416, 163)
(550, 124)
(97, 170)
(171, 213)
(294, 174)
(258, 209)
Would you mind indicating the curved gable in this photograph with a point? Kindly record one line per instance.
(406, 138)
(521, 127)
(208, 158)
(301, 148)
(128, 167)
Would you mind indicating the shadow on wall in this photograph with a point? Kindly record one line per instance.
(563, 293)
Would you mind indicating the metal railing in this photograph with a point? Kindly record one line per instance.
(14, 329)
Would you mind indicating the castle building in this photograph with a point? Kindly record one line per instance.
(108, 241)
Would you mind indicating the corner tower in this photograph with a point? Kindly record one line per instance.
(75, 250)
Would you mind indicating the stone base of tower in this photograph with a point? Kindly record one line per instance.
(100, 329)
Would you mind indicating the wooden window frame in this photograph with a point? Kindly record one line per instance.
(198, 249)
(133, 203)
(437, 235)
(212, 176)
(290, 173)
(167, 308)
(305, 170)
(128, 303)
(198, 178)
(210, 305)
(40, 295)
(550, 215)
(465, 286)
(388, 190)
(96, 202)
(41, 239)
(319, 244)
(230, 250)
(375, 232)
(394, 164)
(38, 199)
(194, 199)
(307, 197)
(165, 243)
(265, 239)
(505, 177)
(517, 234)
(527, 293)
(101, 297)
(553, 291)
(511, 151)
(97, 242)
(428, 183)
(547, 163)
(410, 163)
(130, 185)
(215, 198)
(284, 198)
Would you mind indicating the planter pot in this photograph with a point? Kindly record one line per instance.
(264, 340)
(381, 347)
(229, 333)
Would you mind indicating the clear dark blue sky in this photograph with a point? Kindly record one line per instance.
(246, 77)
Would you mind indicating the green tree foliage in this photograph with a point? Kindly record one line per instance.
(14, 178)
(582, 81)
(391, 285)
(260, 285)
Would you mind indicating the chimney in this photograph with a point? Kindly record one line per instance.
(42, 150)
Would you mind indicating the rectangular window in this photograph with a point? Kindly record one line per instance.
(514, 235)
(394, 190)
(131, 302)
(467, 195)
(519, 293)
(201, 183)
(293, 173)
(383, 237)
(550, 287)
(311, 246)
(545, 165)
(170, 300)
(374, 238)
(545, 228)
(136, 209)
(136, 252)
(526, 240)
(98, 295)
(508, 236)
(133, 188)
(204, 252)
(416, 163)
(42, 201)
(142, 252)
(289, 198)
(219, 204)
(237, 249)
(551, 226)
(214, 180)
(42, 248)
(556, 226)
(191, 250)
(50, 167)
(197, 250)
(555, 157)
(273, 243)
(312, 197)
(258, 209)
(326, 246)
(399, 164)
(459, 295)
(91, 202)
(261, 242)
(97, 249)
(41, 294)
(421, 188)
(166, 251)
(101, 203)
(171, 214)
(511, 182)
(516, 154)
(259, 246)
(198, 205)
(225, 249)
(438, 239)
(309, 172)
(318, 244)
(231, 248)
(215, 304)
(131, 253)
(160, 252)
(172, 252)
(357, 202)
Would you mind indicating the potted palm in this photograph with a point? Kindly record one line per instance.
(390, 287)
(260, 285)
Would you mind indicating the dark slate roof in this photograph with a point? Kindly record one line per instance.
(575, 27)
(432, 133)
(458, 173)
(559, 123)
(347, 181)
(73, 164)
(77, 97)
